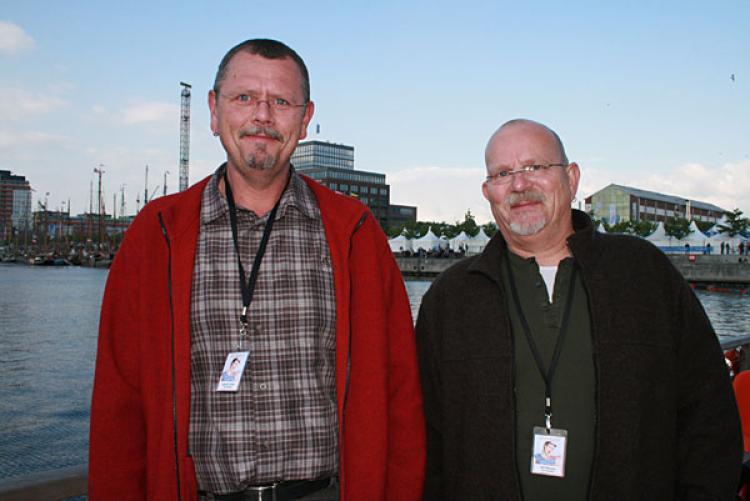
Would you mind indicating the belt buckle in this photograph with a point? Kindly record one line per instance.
(260, 489)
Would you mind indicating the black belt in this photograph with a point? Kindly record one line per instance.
(282, 491)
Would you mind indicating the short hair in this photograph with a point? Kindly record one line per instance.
(526, 121)
(269, 49)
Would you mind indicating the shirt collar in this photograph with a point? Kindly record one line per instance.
(297, 196)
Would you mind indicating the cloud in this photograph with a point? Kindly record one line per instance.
(13, 39)
(441, 193)
(446, 193)
(150, 112)
(30, 138)
(19, 103)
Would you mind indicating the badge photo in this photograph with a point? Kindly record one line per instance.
(548, 452)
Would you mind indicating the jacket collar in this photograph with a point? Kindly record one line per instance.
(581, 244)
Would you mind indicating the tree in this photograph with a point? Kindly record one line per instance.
(735, 225)
(677, 227)
(490, 229)
(704, 226)
(469, 225)
(642, 228)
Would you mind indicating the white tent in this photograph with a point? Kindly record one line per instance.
(428, 242)
(695, 237)
(476, 244)
(459, 241)
(400, 243)
(601, 228)
(660, 238)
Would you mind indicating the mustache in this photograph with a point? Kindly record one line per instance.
(261, 131)
(525, 196)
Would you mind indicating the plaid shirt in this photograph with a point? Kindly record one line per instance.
(281, 424)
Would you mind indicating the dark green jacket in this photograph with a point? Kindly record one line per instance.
(667, 426)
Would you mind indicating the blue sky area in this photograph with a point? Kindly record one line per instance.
(640, 92)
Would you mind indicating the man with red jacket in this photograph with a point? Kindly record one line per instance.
(291, 288)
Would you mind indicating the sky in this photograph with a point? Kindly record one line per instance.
(649, 94)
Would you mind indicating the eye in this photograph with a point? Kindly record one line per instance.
(244, 98)
(280, 102)
(504, 173)
(534, 168)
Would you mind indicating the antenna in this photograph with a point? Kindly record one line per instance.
(165, 183)
(184, 136)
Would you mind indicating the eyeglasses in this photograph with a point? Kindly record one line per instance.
(247, 101)
(535, 171)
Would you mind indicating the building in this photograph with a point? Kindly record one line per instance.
(15, 204)
(616, 203)
(332, 165)
(399, 215)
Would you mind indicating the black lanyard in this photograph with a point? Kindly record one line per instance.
(248, 288)
(548, 375)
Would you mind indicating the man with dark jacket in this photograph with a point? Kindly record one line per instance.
(559, 339)
(259, 270)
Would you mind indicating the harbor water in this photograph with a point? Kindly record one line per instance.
(48, 330)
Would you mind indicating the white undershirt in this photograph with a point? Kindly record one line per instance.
(548, 274)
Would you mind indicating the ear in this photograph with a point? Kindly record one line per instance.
(485, 191)
(309, 110)
(574, 176)
(212, 106)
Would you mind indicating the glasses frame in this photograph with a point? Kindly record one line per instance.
(252, 103)
(506, 176)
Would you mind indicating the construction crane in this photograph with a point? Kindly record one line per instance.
(184, 136)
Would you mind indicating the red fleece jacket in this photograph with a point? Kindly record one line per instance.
(141, 400)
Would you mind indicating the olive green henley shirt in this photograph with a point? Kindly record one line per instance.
(573, 386)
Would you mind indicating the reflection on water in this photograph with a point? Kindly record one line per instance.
(48, 324)
(48, 319)
(729, 313)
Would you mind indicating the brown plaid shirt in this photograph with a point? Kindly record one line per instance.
(281, 424)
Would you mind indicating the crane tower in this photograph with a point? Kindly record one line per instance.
(184, 135)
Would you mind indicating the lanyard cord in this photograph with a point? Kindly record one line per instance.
(248, 288)
(548, 375)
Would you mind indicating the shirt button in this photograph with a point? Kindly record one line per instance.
(263, 386)
(538, 284)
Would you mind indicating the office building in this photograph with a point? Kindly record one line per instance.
(332, 165)
(15, 204)
(616, 203)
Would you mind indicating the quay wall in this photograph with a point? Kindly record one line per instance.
(696, 268)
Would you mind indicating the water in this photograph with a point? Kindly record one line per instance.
(48, 328)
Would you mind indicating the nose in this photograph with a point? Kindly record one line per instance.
(262, 112)
(519, 181)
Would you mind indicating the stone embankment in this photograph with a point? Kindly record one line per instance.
(700, 269)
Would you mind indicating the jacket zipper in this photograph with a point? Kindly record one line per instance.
(349, 344)
(348, 357)
(174, 370)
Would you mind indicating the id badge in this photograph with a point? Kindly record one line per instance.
(231, 375)
(548, 452)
